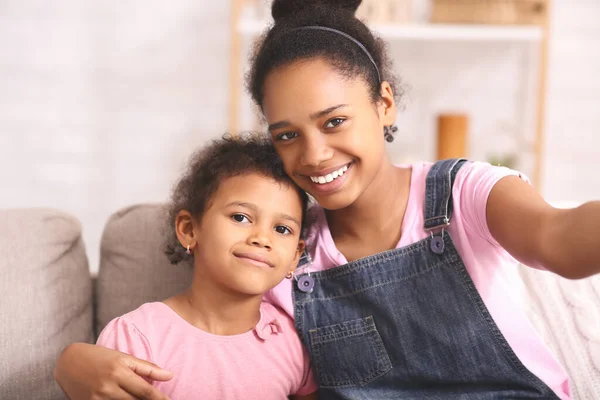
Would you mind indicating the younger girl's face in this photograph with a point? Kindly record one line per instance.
(326, 129)
(249, 236)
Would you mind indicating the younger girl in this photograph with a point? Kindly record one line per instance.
(411, 288)
(240, 218)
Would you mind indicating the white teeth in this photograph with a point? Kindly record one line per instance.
(329, 177)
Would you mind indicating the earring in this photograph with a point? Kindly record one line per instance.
(290, 275)
(388, 132)
(188, 251)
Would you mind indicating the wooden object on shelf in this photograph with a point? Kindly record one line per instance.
(541, 103)
(508, 12)
(452, 136)
(504, 12)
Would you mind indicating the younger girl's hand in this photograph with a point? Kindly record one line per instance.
(85, 371)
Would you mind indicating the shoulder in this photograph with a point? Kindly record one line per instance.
(471, 172)
(147, 318)
(133, 332)
(148, 313)
(481, 176)
(477, 178)
(472, 187)
(470, 192)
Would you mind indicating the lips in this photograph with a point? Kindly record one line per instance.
(255, 259)
(330, 180)
(330, 177)
(328, 171)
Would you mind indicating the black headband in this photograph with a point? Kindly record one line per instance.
(359, 44)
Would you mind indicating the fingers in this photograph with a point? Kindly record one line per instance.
(148, 370)
(140, 389)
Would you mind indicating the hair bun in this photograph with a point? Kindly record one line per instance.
(285, 8)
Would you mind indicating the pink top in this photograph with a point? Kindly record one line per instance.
(492, 269)
(267, 362)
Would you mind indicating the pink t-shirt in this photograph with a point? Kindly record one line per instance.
(268, 362)
(492, 269)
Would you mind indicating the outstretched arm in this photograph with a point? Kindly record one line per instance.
(564, 241)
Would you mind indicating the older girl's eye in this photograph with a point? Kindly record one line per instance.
(334, 122)
(240, 218)
(287, 136)
(284, 230)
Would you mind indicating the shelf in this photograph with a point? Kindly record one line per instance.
(432, 32)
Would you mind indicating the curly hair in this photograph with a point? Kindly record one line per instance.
(221, 159)
(285, 43)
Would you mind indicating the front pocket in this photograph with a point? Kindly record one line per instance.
(348, 354)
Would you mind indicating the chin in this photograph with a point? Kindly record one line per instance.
(250, 288)
(335, 202)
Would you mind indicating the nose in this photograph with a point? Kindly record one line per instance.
(260, 238)
(316, 150)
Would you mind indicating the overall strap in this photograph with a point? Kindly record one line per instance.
(438, 193)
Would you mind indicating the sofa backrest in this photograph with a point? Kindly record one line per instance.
(133, 268)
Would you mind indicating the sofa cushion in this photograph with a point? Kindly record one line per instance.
(46, 295)
(133, 268)
(567, 316)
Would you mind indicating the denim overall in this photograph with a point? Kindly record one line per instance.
(408, 323)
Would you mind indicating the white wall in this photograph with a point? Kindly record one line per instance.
(102, 101)
(572, 168)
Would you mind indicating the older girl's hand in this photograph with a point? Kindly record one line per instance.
(86, 371)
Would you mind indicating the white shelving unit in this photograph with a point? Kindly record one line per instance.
(426, 32)
(534, 38)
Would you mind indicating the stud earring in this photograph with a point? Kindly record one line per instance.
(188, 251)
(388, 132)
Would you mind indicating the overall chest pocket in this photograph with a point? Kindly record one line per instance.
(348, 354)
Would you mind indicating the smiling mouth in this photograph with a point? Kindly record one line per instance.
(258, 261)
(328, 178)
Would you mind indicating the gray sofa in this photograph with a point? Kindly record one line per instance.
(49, 298)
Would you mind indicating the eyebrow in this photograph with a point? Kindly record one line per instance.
(255, 209)
(316, 115)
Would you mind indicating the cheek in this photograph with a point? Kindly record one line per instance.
(223, 235)
(288, 253)
(371, 137)
(287, 155)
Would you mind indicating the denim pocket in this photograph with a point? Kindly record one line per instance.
(348, 354)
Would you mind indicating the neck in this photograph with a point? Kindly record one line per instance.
(378, 211)
(220, 312)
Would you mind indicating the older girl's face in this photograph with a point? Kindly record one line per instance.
(326, 129)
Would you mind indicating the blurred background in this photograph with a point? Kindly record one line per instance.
(101, 102)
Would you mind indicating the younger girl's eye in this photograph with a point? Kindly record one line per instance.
(287, 136)
(334, 122)
(284, 230)
(240, 218)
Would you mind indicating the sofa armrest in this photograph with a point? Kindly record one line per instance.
(46, 293)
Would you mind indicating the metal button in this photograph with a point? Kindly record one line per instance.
(437, 244)
(306, 283)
